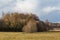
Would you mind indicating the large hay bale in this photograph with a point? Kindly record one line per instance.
(30, 27)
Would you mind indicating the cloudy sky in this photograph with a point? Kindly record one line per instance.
(45, 9)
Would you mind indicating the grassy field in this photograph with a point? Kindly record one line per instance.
(29, 36)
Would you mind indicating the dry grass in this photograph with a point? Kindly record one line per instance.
(29, 36)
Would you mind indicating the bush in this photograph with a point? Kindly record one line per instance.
(41, 26)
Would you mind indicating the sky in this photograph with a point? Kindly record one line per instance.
(44, 9)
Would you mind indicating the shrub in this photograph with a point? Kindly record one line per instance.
(41, 26)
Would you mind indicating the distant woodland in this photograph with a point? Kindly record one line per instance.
(20, 22)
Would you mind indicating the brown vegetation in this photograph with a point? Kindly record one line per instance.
(31, 26)
(22, 22)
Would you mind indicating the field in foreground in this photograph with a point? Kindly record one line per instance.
(29, 36)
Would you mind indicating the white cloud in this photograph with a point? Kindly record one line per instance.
(26, 5)
(57, 22)
(6, 4)
(50, 9)
(5, 1)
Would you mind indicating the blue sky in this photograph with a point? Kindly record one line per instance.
(45, 9)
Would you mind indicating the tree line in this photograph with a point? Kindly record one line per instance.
(20, 22)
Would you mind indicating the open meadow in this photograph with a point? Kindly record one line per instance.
(29, 36)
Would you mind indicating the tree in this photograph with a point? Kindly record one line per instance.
(30, 27)
(22, 22)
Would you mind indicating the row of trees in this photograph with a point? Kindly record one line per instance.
(22, 22)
